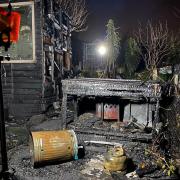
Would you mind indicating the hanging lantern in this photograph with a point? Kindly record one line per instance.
(9, 21)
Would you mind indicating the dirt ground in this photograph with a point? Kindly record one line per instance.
(90, 167)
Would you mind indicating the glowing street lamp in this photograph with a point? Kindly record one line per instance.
(102, 50)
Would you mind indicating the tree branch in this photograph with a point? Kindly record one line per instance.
(76, 10)
(154, 43)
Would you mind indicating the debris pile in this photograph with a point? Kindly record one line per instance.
(104, 157)
(90, 120)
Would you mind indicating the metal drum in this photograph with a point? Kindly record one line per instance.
(50, 146)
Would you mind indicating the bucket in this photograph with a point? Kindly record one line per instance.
(50, 146)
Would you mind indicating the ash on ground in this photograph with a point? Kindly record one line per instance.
(90, 167)
(90, 120)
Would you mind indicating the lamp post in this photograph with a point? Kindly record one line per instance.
(2, 129)
(102, 51)
(4, 174)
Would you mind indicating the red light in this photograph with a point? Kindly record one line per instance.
(11, 21)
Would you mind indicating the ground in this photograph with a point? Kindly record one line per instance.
(89, 167)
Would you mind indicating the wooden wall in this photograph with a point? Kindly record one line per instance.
(30, 88)
(22, 86)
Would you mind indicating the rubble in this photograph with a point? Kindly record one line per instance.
(94, 167)
(89, 167)
(89, 120)
(134, 121)
(20, 161)
(36, 119)
(93, 131)
(16, 135)
(132, 175)
(49, 121)
(145, 169)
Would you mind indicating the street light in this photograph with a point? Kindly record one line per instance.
(102, 50)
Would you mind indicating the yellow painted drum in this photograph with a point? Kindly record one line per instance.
(49, 146)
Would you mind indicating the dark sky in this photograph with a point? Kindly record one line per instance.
(126, 15)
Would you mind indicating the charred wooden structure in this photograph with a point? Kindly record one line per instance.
(31, 85)
(132, 90)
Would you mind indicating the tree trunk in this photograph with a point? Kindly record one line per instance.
(154, 74)
(176, 79)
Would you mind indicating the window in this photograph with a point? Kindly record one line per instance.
(24, 50)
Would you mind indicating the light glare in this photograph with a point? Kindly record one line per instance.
(102, 50)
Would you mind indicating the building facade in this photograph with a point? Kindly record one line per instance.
(39, 60)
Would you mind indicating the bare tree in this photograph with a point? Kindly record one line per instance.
(154, 44)
(76, 9)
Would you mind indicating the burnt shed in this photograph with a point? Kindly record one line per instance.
(39, 60)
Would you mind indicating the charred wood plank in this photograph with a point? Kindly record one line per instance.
(142, 137)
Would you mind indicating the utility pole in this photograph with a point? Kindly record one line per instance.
(4, 174)
(2, 130)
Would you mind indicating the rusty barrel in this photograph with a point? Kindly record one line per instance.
(49, 146)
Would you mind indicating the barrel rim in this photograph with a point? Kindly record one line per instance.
(31, 145)
(75, 144)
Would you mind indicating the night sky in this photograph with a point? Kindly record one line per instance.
(127, 14)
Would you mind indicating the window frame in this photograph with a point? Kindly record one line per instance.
(31, 3)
